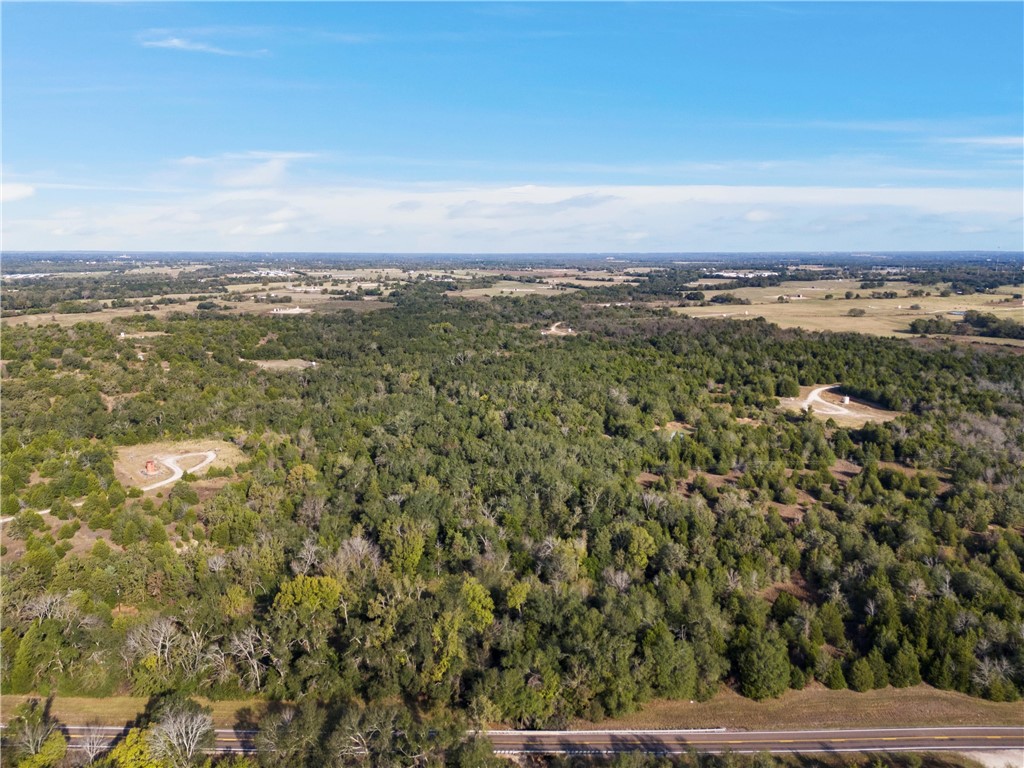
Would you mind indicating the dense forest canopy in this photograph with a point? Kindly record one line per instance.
(454, 511)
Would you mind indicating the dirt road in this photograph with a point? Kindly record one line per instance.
(171, 462)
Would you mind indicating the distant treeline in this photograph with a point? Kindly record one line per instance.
(974, 323)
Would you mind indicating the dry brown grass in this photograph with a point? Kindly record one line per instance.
(509, 288)
(131, 460)
(558, 329)
(313, 302)
(883, 317)
(294, 364)
(119, 710)
(818, 707)
(860, 411)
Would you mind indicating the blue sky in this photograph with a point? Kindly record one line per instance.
(513, 127)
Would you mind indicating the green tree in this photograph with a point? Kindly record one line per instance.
(478, 603)
(904, 670)
(861, 677)
(834, 678)
(879, 669)
(132, 752)
(763, 666)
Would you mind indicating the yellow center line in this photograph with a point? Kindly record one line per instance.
(762, 739)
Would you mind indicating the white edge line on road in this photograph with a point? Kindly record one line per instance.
(669, 731)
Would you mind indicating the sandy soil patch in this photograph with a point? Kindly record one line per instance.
(81, 542)
(509, 288)
(558, 329)
(750, 422)
(111, 401)
(714, 481)
(672, 428)
(797, 586)
(1013, 758)
(921, 705)
(207, 489)
(130, 461)
(844, 471)
(294, 364)
(828, 403)
(141, 334)
(792, 513)
(944, 484)
(647, 479)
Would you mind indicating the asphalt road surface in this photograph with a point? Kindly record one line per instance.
(675, 742)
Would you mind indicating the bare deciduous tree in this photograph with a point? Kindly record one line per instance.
(308, 558)
(158, 638)
(311, 510)
(30, 730)
(357, 556)
(619, 580)
(250, 647)
(651, 501)
(94, 741)
(180, 736)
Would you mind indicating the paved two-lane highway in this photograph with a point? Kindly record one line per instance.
(715, 741)
(960, 739)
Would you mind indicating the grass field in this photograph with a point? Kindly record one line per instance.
(813, 707)
(315, 302)
(283, 365)
(120, 710)
(509, 288)
(818, 707)
(857, 412)
(882, 317)
(131, 460)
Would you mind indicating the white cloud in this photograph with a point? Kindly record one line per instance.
(273, 213)
(10, 192)
(758, 215)
(184, 44)
(241, 169)
(1010, 142)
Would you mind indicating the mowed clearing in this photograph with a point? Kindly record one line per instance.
(301, 304)
(294, 364)
(819, 707)
(509, 288)
(827, 403)
(130, 461)
(119, 710)
(804, 306)
(813, 707)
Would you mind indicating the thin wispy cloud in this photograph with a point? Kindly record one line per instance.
(10, 192)
(256, 154)
(258, 168)
(194, 46)
(1000, 142)
(283, 215)
(934, 127)
(351, 38)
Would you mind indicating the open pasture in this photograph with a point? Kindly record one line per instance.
(294, 364)
(827, 403)
(130, 461)
(920, 705)
(509, 288)
(804, 306)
